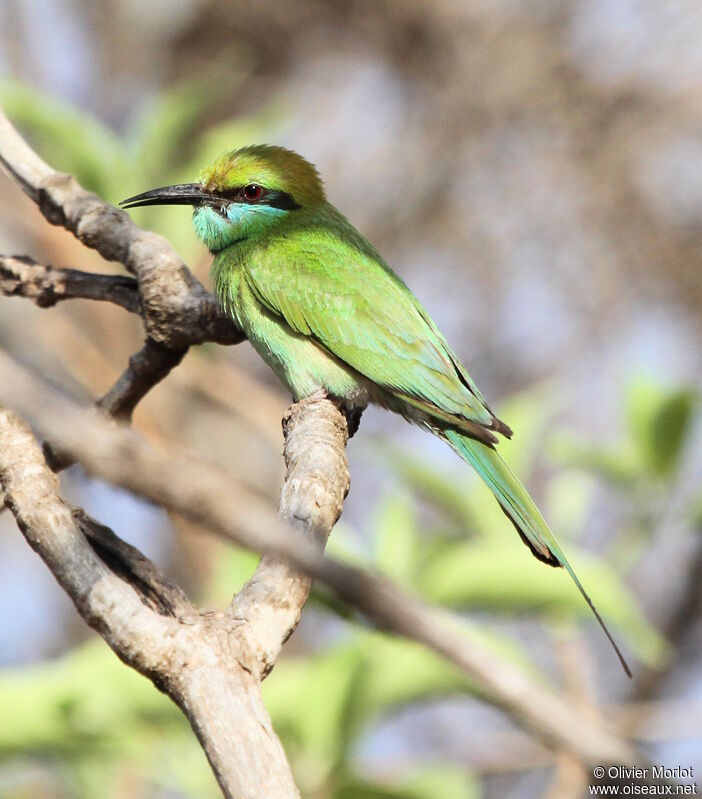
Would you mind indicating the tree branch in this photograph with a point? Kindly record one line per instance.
(316, 483)
(47, 285)
(195, 658)
(203, 494)
(127, 563)
(177, 312)
(146, 368)
(176, 308)
(103, 599)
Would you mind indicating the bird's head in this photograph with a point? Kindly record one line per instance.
(243, 193)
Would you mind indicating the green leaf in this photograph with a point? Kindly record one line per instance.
(529, 413)
(569, 499)
(696, 511)
(355, 788)
(70, 139)
(448, 492)
(396, 538)
(620, 465)
(232, 568)
(417, 673)
(308, 699)
(169, 128)
(669, 430)
(64, 705)
(446, 782)
(485, 577)
(660, 420)
(321, 704)
(103, 721)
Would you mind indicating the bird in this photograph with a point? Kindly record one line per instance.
(327, 314)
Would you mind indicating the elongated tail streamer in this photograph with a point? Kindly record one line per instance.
(523, 513)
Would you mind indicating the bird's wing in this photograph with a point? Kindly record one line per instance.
(324, 286)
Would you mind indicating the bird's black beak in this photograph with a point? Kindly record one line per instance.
(182, 194)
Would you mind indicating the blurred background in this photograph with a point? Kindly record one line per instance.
(534, 172)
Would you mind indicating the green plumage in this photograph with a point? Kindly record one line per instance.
(336, 292)
(325, 311)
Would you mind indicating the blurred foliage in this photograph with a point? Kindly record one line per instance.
(643, 466)
(658, 421)
(438, 534)
(165, 145)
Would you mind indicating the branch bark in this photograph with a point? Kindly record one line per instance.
(316, 483)
(198, 659)
(203, 494)
(176, 309)
(146, 368)
(47, 285)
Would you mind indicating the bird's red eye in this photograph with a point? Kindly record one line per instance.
(253, 191)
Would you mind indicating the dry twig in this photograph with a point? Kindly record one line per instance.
(47, 285)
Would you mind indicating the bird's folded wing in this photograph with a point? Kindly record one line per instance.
(361, 312)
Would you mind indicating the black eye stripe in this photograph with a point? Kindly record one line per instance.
(280, 199)
(271, 197)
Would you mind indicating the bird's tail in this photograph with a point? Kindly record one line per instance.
(522, 512)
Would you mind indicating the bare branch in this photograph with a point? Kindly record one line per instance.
(316, 483)
(176, 308)
(149, 624)
(203, 494)
(125, 561)
(47, 285)
(146, 368)
(105, 601)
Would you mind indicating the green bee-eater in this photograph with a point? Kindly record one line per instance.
(325, 311)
